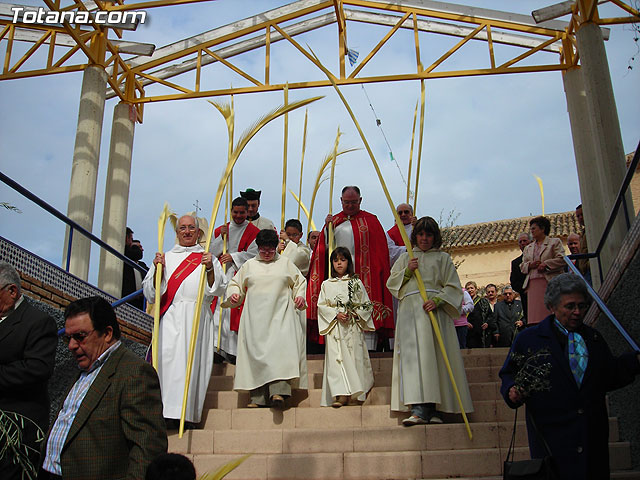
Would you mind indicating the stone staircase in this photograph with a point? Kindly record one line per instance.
(364, 441)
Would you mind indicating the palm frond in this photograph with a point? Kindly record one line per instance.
(250, 132)
(224, 470)
(321, 171)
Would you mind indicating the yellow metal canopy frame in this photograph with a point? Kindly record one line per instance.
(130, 77)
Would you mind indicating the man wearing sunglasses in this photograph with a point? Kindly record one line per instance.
(110, 425)
(28, 342)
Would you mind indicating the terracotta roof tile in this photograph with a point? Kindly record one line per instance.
(507, 231)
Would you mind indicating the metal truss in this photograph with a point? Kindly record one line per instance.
(130, 79)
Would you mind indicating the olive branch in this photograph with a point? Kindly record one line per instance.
(378, 310)
(11, 427)
(533, 371)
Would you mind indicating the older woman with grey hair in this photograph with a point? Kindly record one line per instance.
(570, 415)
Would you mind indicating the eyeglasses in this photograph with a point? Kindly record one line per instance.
(78, 337)
(266, 250)
(404, 212)
(572, 306)
(184, 228)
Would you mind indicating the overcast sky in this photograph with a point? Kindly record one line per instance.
(485, 137)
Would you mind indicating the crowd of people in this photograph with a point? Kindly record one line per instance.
(270, 299)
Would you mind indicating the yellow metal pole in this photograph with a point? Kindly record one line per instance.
(405, 238)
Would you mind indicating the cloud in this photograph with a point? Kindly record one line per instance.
(485, 137)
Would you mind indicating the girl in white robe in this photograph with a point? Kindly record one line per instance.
(272, 357)
(344, 314)
(420, 379)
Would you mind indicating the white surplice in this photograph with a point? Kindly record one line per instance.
(229, 338)
(347, 367)
(263, 223)
(175, 335)
(271, 340)
(300, 254)
(419, 371)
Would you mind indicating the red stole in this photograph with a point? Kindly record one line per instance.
(394, 234)
(248, 236)
(371, 263)
(186, 267)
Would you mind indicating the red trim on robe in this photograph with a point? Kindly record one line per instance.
(186, 267)
(371, 263)
(248, 236)
(396, 236)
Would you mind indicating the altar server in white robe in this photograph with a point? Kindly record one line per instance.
(271, 343)
(420, 381)
(241, 246)
(344, 314)
(290, 246)
(180, 278)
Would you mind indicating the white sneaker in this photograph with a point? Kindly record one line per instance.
(414, 420)
(436, 418)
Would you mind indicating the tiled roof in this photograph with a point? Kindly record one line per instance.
(506, 231)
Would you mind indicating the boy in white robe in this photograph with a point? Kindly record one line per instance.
(290, 246)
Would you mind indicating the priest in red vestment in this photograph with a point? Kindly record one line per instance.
(362, 234)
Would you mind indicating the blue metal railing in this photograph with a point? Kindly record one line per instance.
(74, 226)
(603, 308)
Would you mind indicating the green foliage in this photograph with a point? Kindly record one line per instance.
(11, 427)
(378, 310)
(533, 371)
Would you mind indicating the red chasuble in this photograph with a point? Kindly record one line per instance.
(394, 234)
(371, 263)
(248, 236)
(186, 267)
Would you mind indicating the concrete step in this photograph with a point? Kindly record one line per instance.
(470, 463)
(474, 358)
(355, 439)
(381, 378)
(350, 416)
(378, 395)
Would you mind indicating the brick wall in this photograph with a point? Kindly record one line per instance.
(34, 288)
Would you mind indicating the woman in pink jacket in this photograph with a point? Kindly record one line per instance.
(541, 261)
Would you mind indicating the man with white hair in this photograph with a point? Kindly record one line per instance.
(181, 269)
(394, 237)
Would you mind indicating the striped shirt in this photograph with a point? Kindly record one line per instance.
(70, 408)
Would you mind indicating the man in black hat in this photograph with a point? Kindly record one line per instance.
(253, 199)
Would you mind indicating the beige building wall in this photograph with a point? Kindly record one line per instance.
(487, 264)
